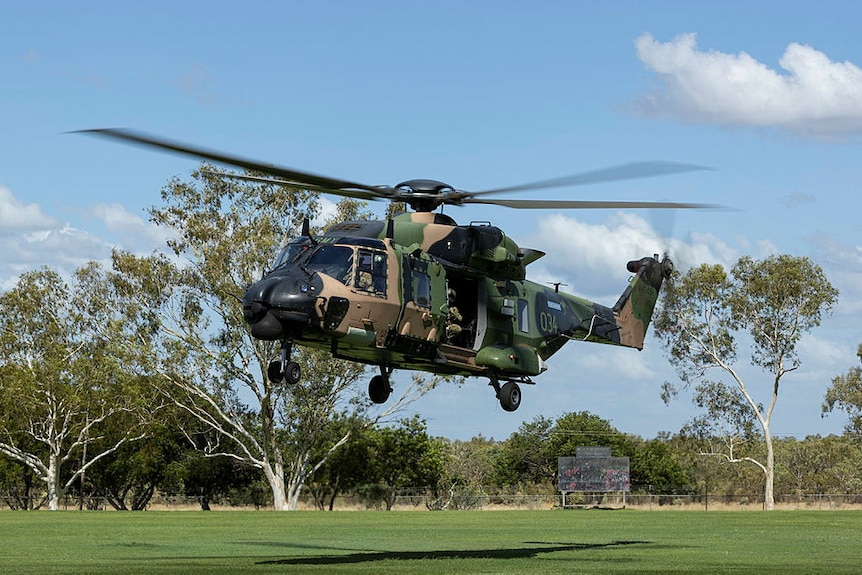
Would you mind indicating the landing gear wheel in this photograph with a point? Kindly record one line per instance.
(292, 373)
(510, 396)
(283, 369)
(379, 389)
(273, 372)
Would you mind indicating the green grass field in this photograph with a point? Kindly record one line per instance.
(571, 541)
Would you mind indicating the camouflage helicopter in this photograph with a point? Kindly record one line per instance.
(419, 291)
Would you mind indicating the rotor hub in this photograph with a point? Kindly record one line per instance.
(424, 195)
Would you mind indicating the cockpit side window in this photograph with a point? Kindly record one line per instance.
(371, 272)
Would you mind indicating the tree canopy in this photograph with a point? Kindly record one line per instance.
(769, 304)
(845, 393)
(63, 379)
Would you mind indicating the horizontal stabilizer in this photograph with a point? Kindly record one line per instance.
(529, 255)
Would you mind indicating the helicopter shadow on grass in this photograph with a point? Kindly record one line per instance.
(524, 552)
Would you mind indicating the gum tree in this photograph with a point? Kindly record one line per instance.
(225, 235)
(845, 393)
(765, 305)
(62, 378)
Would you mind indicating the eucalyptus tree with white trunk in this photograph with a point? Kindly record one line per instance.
(226, 234)
(771, 303)
(60, 377)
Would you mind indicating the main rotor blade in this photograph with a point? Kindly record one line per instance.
(612, 174)
(584, 204)
(360, 194)
(333, 185)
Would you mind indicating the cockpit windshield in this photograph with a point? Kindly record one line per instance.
(291, 251)
(334, 261)
(362, 268)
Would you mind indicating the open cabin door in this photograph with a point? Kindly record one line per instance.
(466, 298)
(423, 299)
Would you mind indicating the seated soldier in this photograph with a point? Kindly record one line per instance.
(364, 281)
(452, 318)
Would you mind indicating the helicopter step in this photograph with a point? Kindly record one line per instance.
(459, 357)
(412, 346)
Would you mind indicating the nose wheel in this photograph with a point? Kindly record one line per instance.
(289, 372)
(284, 369)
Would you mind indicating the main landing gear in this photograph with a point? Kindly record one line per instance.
(509, 393)
(379, 388)
(284, 369)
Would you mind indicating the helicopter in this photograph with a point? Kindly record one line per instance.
(419, 291)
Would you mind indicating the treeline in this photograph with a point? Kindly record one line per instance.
(141, 376)
(380, 463)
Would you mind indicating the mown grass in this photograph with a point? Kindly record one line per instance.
(571, 541)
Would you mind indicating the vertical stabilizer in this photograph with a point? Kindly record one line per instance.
(635, 307)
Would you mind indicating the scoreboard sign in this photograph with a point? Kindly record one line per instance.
(593, 474)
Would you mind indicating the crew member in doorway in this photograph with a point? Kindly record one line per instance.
(453, 327)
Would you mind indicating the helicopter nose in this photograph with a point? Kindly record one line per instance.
(280, 306)
(264, 324)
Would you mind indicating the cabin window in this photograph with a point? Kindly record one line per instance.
(421, 289)
(371, 272)
(523, 316)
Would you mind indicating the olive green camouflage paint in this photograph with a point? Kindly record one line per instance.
(519, 323)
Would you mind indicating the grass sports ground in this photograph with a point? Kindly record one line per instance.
(557, 541)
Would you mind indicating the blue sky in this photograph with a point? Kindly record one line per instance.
(478, 94)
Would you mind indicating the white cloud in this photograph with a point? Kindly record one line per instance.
(592, 257)
(616, 366)
(29, 239)
(132, 231)
(812, 96)
(842, 264)
(63, 248)
(826, 357)
(16, 215)
(328, 210)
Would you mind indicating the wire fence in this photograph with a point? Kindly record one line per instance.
(622, 500)
(479, 501)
